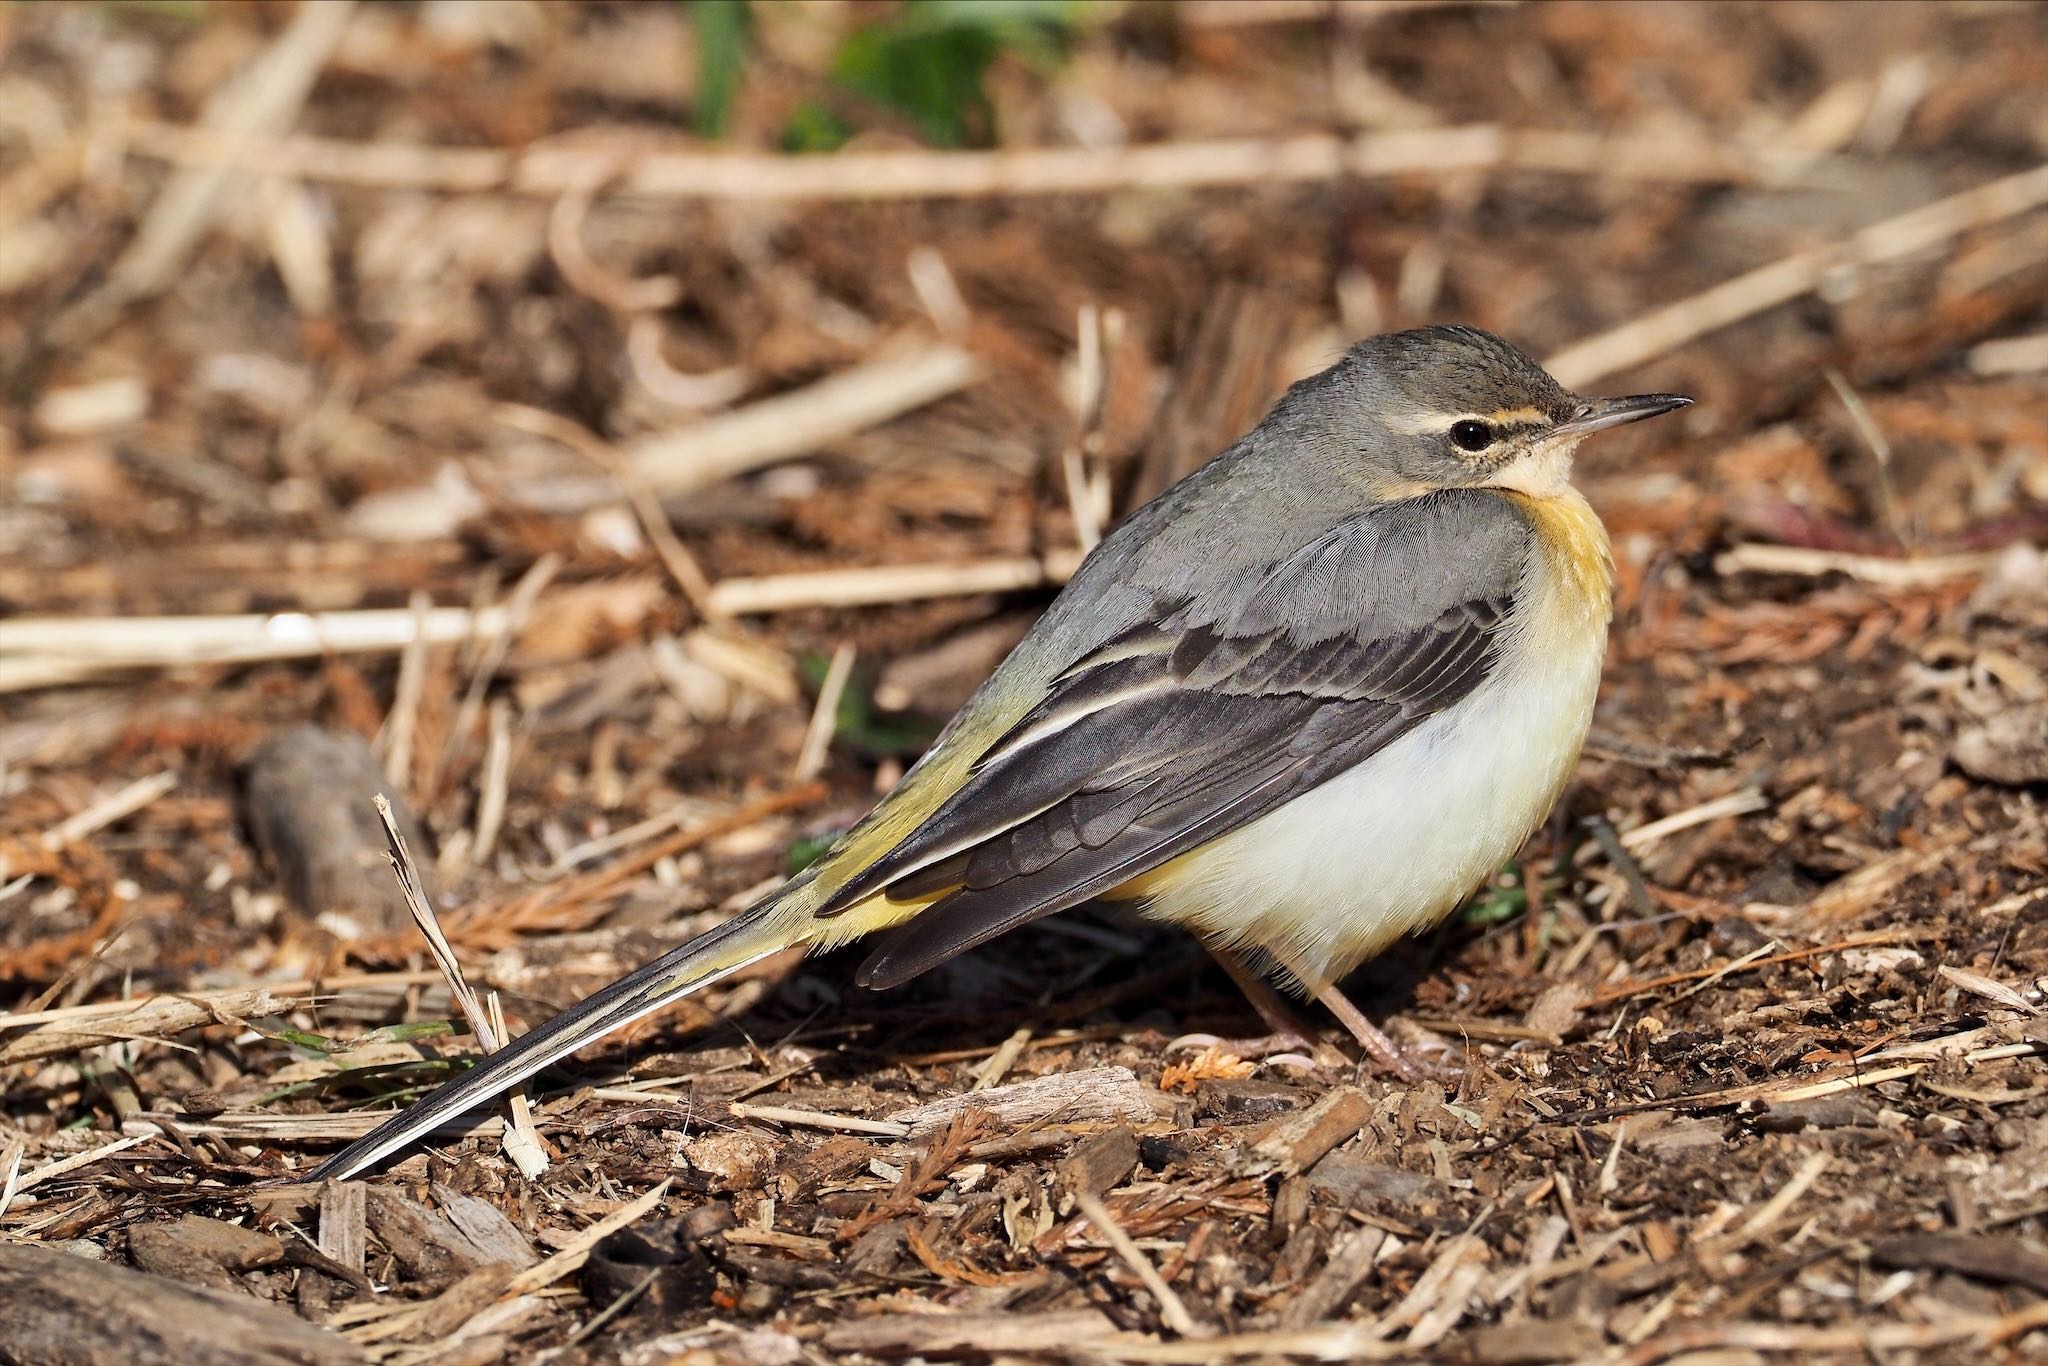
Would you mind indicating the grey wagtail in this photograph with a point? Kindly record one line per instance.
(1301, 703)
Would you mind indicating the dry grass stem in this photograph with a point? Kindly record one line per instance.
(577, 1251)
(518, 608)
(64, 1166)
(1172, 1311)
(1745, 802)
(553, 171)
(54, 1033)
(10, 1172)
(262, 101)
(1001, 1061)
(824, 722)
(889, 583)
(576, 856)
(1666, 329)
(116, 806)
(396, 737)
(811, 1119)
(2011, 356)
(40, 652)
(521, 1143)
(494, 784)
(799, 422)
(1881, 570)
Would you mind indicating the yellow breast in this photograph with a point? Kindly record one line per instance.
(1571, 537)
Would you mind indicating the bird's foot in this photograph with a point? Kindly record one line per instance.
(1288, 1048)
(1380, 1050)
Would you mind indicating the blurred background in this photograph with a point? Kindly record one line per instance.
(624, 432)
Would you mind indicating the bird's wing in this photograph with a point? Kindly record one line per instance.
(1178, 731)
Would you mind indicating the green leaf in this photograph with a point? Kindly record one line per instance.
(377, 1077)
(808, 850)
(933, 77)
(1502, 899)
(814, 128)
(724, 32)
(177, 11)
(299, 1038)
(327, 1046)
(859, 724)
(928, 61)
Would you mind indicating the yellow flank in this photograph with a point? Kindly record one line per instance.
(1158, 880)
(888, 825)
(878, 912)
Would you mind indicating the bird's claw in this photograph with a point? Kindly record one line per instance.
(1286, 1048)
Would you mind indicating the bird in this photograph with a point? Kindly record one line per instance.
(1300, 704)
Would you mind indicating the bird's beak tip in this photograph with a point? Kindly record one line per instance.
(1601, 413)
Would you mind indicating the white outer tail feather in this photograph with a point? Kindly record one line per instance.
(639, 994)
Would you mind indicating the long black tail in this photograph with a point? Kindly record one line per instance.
(746, 938)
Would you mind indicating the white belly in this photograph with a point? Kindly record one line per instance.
(1391, 846)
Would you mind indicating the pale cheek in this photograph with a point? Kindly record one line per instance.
(1544, 472)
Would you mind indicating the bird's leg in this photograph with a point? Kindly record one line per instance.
(1376, 1044)
(1290, 1033)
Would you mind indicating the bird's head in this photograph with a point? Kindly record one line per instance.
(1454, 407)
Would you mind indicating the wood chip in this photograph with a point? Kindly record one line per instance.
(68, 1311)
(1532, 1343)
(424, 1241)
(1850, 897)
(309, 793)
(201, 1251)
(344, 1225)
(1295, 1142)
(1350, 1261)
(918, 1334)
(577, 1250)
(2009, 747)
(156, 1017)
(1097, 1163)
(1980, 1256)
(1351, 1181)
(489, 1229)
(1095, 1094)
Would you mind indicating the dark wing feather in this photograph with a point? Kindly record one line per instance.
(1232, 759)
(1175, 733)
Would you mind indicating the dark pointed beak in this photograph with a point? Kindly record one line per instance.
(1598, 414)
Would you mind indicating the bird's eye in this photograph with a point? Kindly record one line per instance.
(1471, 434)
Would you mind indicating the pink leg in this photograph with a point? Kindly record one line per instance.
(1377, 1045)
(1291, 1033)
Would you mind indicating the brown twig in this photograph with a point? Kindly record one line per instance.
(1622, 991)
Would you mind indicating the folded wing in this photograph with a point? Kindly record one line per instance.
(1169, 735)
